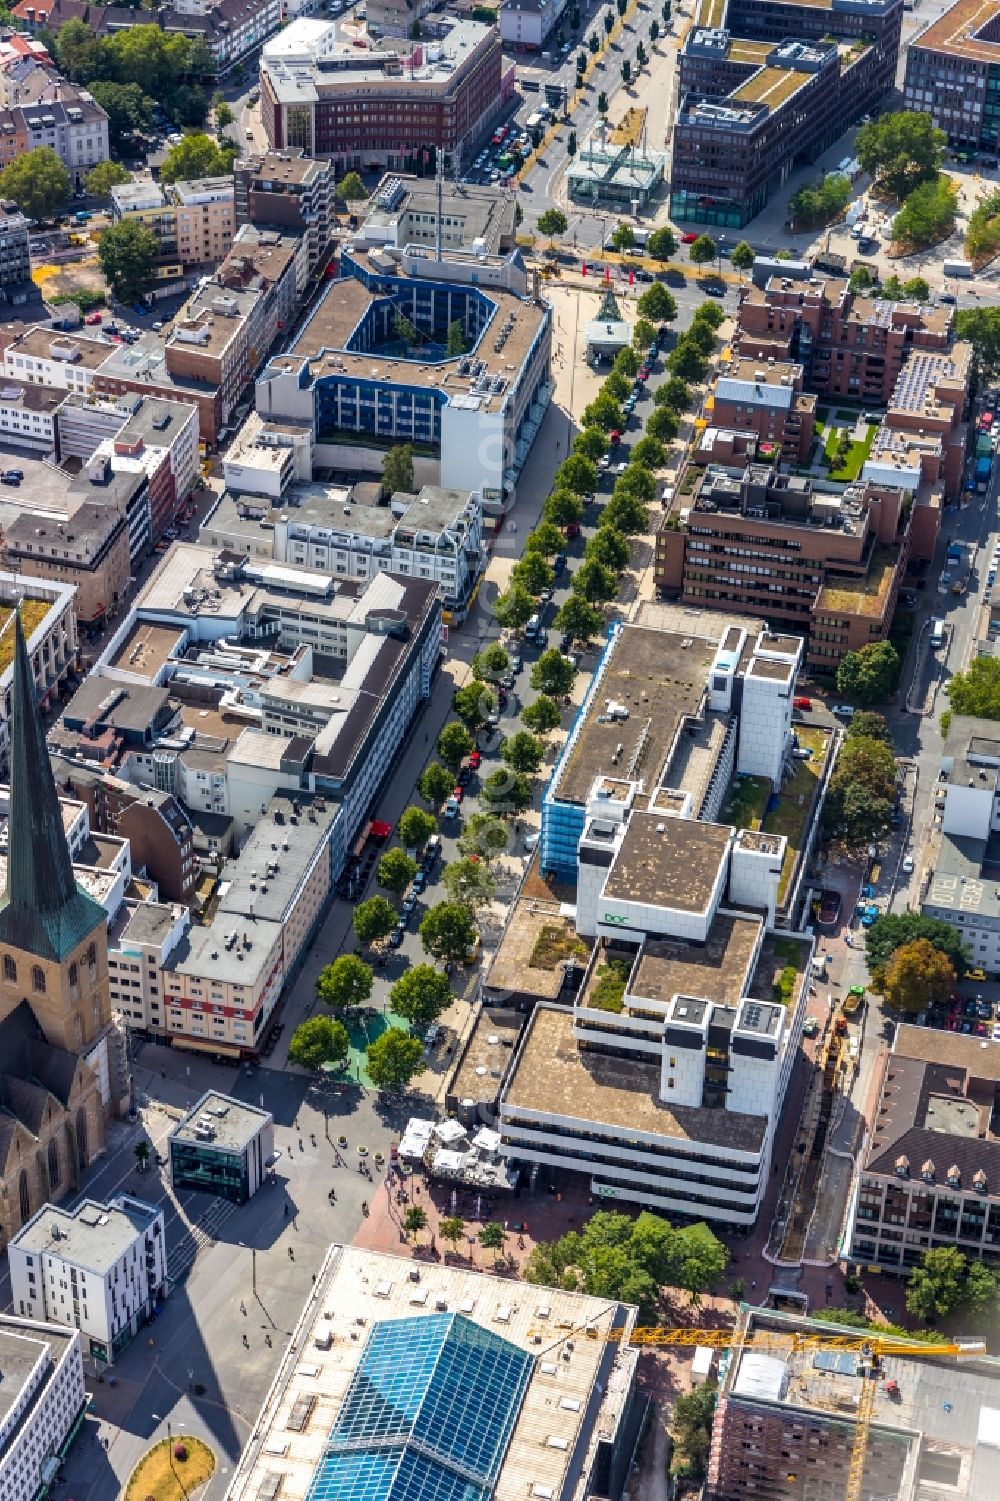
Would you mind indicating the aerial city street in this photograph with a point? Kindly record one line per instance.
(500, 750)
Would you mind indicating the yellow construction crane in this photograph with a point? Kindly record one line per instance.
(869, 1346)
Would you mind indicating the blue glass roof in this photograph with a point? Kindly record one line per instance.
(427, 1416)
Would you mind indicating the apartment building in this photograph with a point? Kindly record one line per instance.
(140, 942)
(930, 1175)
(526, 25)
(435, 534)
(230, 29)
(350, 376)
(436, 93)
(786, 1417)
(141, 369)
(43, 357)
(193, 222)
(764, 84)
(963, 886)
(89, 552)
(15, 258)
(222, 1146)
(953, 74)
(99, 1268)
(28, 415)
(159, 831)
(290, 192)
(48, 110)
(49, 617)
(923, 437)
(769, 400)
(46, 1403)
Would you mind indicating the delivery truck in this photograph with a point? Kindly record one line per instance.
(984, 469)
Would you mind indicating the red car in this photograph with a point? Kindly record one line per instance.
(92, 318)
(458, 792)
(476, 760)
(643, 373)
(689, 237)
(614, 437)
(573, 530)
(802, 703)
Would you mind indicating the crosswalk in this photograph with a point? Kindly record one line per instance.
(195, 1235)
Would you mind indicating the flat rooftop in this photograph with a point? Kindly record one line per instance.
(554, 1076)
(536, 943)
(865, 595)
(147, 648)
(779, 952)
(233, 1124)
(771, 86)
(979, 1056)
(23, 1343)
(660, 677)
(668, 862)
(485, 1056)
(956, 33)
(574, 1401)
(718, 970)
(74, 349)
(92, 1236)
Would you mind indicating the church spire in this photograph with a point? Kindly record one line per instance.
(42, 910)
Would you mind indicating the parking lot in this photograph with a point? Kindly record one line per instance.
(43, 487)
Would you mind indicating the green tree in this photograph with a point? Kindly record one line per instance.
(643, 334)
(603, 412)
(420, 995)
(623, 237)
(469, 882)
(533, 574)
(452, 1229)
(454, 741)
(414, 1220)
(552, 674)
(474, 704)
(637, 483)
(435, 783)
(870, 726)
(928, 214)
(37, 182)
(127, 253)
(577, 473)
(649, 452)
(223, 114)
(701, 336)
(743, 256)
(493, 1237)
(610, 549)
(416, 827)
(488, 666)
(701, 1258)
(514, 608)
(197, 155)
(522, 752)
(821, 202)
(373, 920)
(893, 930)
(405, 330)
(543, 715)
(484, 836)
(617, 385)
(674, 393)
(663, 424)
(625, 513)
(917, 976)
(595, 583)
(591, 443)
(318, 1040)
(396, 870)
(456, 338)
(861, 792)
(901, 150)
(397, 470)
(394, 1060)
(936, 1285)
(552, 222)
(657, 304)
(980, 326)
(982, 233)
(628, 362)
(506, 792)
(914, 289)
(687, 361)
(861, 280)
(710, 313)
(345, 983)
(448, 932)
(78, 52)
(105, 176)
(702, 250)
(545, 539)
(662, 243)
(129, 110)
(351, 188)
(869, 675)
(737, 1290)
(563, 508)
(691, 1434)
(976, 691)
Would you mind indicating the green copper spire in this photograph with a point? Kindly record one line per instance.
(42, 911)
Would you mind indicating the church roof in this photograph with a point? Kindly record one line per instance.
(42, 911)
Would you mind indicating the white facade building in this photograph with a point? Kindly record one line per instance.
(99, 1268)
(44, 1400)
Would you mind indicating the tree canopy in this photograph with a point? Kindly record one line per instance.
(862, 791)
(552, 223)
(576, 616)
(703, 250)
(691, 1433)
(197, 155)
(350, 188)
(917, 975)
(106, 175)
(894, 930)
(869, 675)
(474, 704)
(543, 715)
(488, 666)
(37, 182)
(469, 881)
(946, 1279)
(396, 870)
(420, 995)
(435, 783)
(981, 327)
(506, 792)
(345, 983)
(416, 827)
(820, 202)
(522, 751)
(743, 256)
(662, 243)
(127, 253)
(515, 607)
(374, 919)
(483, 835)
(927, 215)
(397, 470)
(901, 150)
(552, 674)
(318, 1040)
(395, 1059)
(657, 304)
(975, 691)
(448, 932)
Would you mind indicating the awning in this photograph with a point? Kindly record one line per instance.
(194, 1045)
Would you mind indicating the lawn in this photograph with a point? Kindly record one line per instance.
(159, 1478)
(33, 612)
(608, 993)
(747, 800)
(553, 945)
(791, 813)
(856, 456)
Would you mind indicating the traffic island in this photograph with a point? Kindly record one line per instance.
(172, 1470)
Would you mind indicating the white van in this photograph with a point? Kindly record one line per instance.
(937, 631)
(532, 628)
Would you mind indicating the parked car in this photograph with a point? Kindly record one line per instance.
(476, 760)
(974, 974)
(397, 935)
(802, 703)
(843, 711)
(908, 865)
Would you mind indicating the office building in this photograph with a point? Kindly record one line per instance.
(930, 1174)
(953, 74)
(100, 1268)
(435, 534)
(403, 211)
(42, 357)
(962, 886)
(526, 25)
(439, 93)
(193, 222)
(142, 938)
(785, 1420)
(27, 415)
(158, 830)
(769, 400)
(363, 387)
(45, 1403)
(89, 552)
(15, 259)
(290, 192)
(439, 1378)
(765, 84)
(223, 1147)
